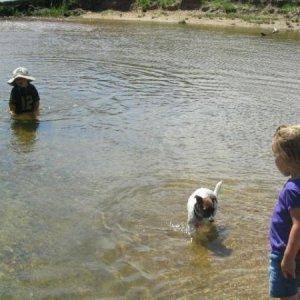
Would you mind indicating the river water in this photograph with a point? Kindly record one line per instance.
(134, 118)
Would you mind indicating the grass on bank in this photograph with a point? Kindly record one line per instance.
(6, 11)
(164, 4)
(290, 8)
(224, 5)
(42, 12)
(257, 19)
(55, 12)
(227, 6)
(51, 12)
(145, 5)
(208, 8)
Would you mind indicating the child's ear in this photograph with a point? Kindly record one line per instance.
(199, 199)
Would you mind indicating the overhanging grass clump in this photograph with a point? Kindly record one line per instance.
(25, 9)
(163, 4)
(6, 11)
(144, 4)
(52, 12)
(290, 8)
(224, 5)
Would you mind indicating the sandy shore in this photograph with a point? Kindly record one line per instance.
(193, 18)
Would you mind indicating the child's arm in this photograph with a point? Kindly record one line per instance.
(36, 98)
(12, 108)
(288, 264)
(12, 101)
(36, 106)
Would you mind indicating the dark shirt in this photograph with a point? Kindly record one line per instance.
(24, 99)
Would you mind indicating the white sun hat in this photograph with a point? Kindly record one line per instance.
(20, 72)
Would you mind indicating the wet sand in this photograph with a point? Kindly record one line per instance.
(192, 18)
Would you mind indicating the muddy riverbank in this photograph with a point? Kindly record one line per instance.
(197, 17)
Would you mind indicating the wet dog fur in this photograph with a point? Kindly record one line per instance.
(202, 205)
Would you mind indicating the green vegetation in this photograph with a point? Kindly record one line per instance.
(229, 7)
(167, 3)
(253, 11)
(51, 12)
(163, 4)
(257, 19)
(290, 8)
(54, 9)
(144, 4)
(224, 5)
(6, 11)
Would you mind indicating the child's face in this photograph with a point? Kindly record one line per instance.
(282, 165)
(21, 82)
(280, 162)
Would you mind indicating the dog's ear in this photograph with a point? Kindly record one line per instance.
(199, 199)
(213, 199)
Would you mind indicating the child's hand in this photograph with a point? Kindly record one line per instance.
(288, 264)
(288, 267)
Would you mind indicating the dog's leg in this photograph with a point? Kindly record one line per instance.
(190, 228)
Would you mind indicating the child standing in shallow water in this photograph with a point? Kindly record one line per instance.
(24, 97)
(284, 269)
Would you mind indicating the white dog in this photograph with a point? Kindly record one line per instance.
(202, 205)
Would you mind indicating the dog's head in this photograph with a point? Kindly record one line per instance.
(205, 208)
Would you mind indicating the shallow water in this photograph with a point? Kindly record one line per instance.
(134, 118)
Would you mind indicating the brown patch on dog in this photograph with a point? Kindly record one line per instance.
(208, 202)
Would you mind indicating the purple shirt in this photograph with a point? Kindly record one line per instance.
(281, 222)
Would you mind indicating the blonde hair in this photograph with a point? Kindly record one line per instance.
(286, 141)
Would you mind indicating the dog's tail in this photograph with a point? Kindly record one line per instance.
(217, 188)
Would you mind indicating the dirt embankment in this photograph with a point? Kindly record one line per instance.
(198, 17)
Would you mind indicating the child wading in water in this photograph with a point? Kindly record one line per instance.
(284, 270)
(24, 97)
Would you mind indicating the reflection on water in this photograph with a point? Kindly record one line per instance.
(134, 118)
(24, 134)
